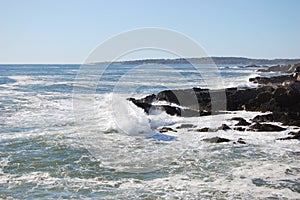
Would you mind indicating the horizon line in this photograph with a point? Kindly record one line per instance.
(152, 59)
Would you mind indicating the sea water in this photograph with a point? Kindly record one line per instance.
(49, 149)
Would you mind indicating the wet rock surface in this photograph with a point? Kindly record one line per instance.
(166, 129)
(279, 95)
(205, 129)
(282, 68)
(216, 140)
(185, 126)
(241, 121)
(293, 136)
(224, 127)
(258, 127)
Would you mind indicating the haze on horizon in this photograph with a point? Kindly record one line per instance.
(67, 31)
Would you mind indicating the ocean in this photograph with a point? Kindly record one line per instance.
(66, 132)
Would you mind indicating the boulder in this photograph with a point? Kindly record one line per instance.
(241, 121)
(205, 129)
(258, 127)
(185, 126)
(224, 127)
(294, 135)
(240, 129)
(281, 68)
(216, 140)
(166, 129)
(264, 118)
(241, 141)
(279, 95)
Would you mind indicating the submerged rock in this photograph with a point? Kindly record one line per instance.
(205, 129)
(166, 129)
(216, 140)
(185, 126)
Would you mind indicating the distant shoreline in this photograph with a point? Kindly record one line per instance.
(203, 60)
(216, 60)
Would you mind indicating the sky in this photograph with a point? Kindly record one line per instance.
(67, 31)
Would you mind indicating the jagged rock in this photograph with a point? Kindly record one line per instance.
(279, 95)
(241, 141)
(241, 121)
(240, 129)
(166, 129)
(264, 118)
(140, 103)
(266, 128)
(171, 110)
(216, 140)
(224, 127)
(185, 126)
(272, 80)
(294, 135)
(281, 68)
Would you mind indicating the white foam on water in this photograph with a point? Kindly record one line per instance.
(118, 134)
(129, 118)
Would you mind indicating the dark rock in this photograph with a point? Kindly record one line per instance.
(272, 80)
(241, 121)
(166, 129)
(216, 140)
(140, 103)
(264, 118)
(237, 118)
(224, 127)
(241, 141)
(240, 129)
(251, 66)
(186, 126)
(266, 128)
(294, 135)
(288, 118)
(203, 129)
(279, 95)
(171, 110)
(282, 68)
(150, 98)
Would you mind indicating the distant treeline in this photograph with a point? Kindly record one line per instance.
(216, 60)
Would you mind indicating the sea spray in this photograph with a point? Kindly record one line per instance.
(130, 119)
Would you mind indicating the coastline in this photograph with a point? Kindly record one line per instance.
(275, 97)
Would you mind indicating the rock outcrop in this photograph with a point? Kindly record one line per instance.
(293, 136)
(282, 68)
(216, 140)
(279, 95)
(266, 128)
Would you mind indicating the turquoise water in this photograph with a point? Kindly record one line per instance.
(44, 152)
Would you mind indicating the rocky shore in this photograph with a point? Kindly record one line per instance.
(278, 95)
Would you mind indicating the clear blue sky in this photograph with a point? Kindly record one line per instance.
(65, 31)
